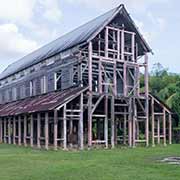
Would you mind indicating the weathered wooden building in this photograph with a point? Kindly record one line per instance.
(84, 89)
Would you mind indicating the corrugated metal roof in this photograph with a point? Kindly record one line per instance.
(41, 103)
(80, 35)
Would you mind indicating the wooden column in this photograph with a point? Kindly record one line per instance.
(147, 99)
(124, 126)
(19, 130)
(55, 128)
(125, 79)
(38, 130)
(170, 128)
(164, 125)
(65, 127)
(14, 130)
(25, 130)
(81, 134)
(106, 121)
(1, 131)
(134, 123)
(152, 108)
(46, 131)
(5, 130)
(122, 44)
(9, 130)
(130, 123)
(158, 129)
(90, 95)
(115, 79)
(32, 131)
(112, 122)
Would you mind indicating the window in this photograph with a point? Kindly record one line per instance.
(22, 92)
(57, 80)
(32, 88)
(14, 94)
(43, 85)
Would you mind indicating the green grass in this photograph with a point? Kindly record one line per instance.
(19, 163)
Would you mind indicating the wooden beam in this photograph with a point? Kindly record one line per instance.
(81, 134)
(134, 123)
(106, 121)
(164, 126)
(152, 109)
(25, 130)
(130, 123)
(9, 130)
(65, 127)
(55, 128)
(32, 130)
(158, 129)
(14, 130)
(38, 130)
(112, 122)
(170, 128)
(124, 126)
(46, 131)
(19, 130)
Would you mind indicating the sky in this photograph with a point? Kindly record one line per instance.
(26, 25)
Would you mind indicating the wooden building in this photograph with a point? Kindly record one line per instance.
(84, 89)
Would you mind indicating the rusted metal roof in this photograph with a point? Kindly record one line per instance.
(40, 103)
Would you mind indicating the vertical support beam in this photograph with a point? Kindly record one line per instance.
(14, 130)
(100, 76)
(133, 47)
(164, 125)
(118, 43)
(5, 141)
(158, 129)
(46, 131)
(115, 78)
(152, 109)
(124, 126)
(106, 121)
(90, 96)
(112, 122)
(106, 41)
(130, 123)
(134, 123)
(81, 134)
(1, 131)
(122, 44)
(38, 130)
(9, 130)
(19, 130)
(55, 128)
(32, 131)
(125, 79)
(170, 128)
(147, 99)
(25, 130)
(65, 127)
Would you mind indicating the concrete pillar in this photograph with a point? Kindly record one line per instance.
(31, 130)
(9, 130)
(19, 130)
(38, 130)
(14, 130)
(25, 130)
(81, 134)
(46, 131)
(65, 127)
(112, 122)
(1, 131)
(55, 128)
(5, 130)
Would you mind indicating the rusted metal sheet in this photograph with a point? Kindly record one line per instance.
(41, 103)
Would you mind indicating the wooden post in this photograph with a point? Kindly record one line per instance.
(164, 125)
(147, 99)
(158, 129)
(112, 122)
(46, 131)
(25, 130)
(130, 123)
(14, 130)
(90, 96)
(32, 131)
(5, 130)
(125, 79)
(81, 134)
(1, 129)
(100, 76)
(124, 126)
(106, 41)
(170, 128)
(65, 127)
(115, 79)
(19, 130)
(152, 108)
(38, 130)
(134, 123)
(9, 130)
(133, 47)
(106, 121)
(55, 128)
(122, 44)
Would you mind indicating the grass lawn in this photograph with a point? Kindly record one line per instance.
(19, 163)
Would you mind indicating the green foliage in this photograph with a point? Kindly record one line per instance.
(166, 86)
